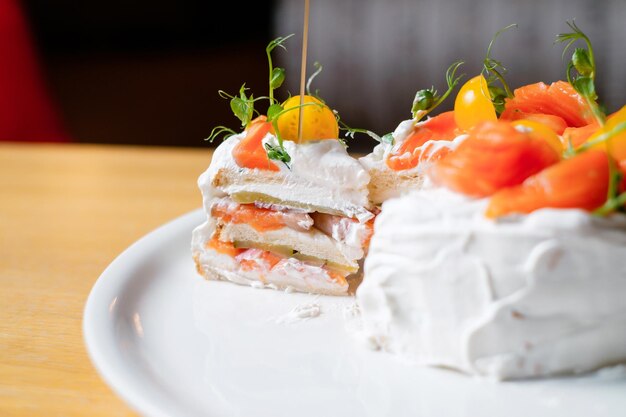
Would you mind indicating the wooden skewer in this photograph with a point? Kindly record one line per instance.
(305, 42)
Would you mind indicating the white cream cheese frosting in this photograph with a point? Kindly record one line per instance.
(321, 173)
(524, 296)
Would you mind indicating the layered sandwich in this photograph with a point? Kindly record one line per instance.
(301, 222)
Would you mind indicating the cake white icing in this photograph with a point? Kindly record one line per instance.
(524, 296)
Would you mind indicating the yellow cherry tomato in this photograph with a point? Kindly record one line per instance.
(617, 143)
(541, 132)
(318, 120)
(473, 104)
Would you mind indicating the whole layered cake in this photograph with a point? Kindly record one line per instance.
(500, 250)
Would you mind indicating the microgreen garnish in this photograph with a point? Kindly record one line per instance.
(351, 131)
(220, 131)
(277, 153)
(495, 71)
(583, 64)
(274, 111)
(427, 100)
(242, 106)
(277, 75)
(318, 69)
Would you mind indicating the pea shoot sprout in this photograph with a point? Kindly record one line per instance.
(583, 64)
(427, 100)
(581, 74)
(494, 72)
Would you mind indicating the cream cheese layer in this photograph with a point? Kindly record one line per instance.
(524, 296)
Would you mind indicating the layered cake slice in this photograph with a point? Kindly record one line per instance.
(303, 226)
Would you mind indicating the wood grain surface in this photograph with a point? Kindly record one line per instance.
(66, 211)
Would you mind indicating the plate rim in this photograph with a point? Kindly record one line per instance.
(97, 303)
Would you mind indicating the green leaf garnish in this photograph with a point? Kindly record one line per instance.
(583, 65)
(495, 72)
(277, 153)
(242, 106)
(584, 85)
(424, 99)
(571, 38)
(275, 76)
(278, 76)
(581, 74)
(582, 62)
(427, 100)
(274, 111)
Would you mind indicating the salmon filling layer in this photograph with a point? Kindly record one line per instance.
(267, 217)
(264, 262)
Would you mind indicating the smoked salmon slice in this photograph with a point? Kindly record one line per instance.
(580, 182)
(579, 135)
(557, 99)
(408, 155)
(494, 156)
(249, 152)
(556, 123)
(260, 219)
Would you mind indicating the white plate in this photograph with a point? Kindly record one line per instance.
(172, 344)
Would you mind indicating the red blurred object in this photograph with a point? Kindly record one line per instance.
(26, 111)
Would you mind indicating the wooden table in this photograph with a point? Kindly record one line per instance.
(66, 211)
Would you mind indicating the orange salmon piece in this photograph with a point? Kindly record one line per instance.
(579, 135)
(558, 99)
(581, 182)
(556, 123)
(440, 127)
(494, 156)
(225, 248)
(261, 219)
(249, 152)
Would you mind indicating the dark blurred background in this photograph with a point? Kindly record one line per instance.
(147, 72)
